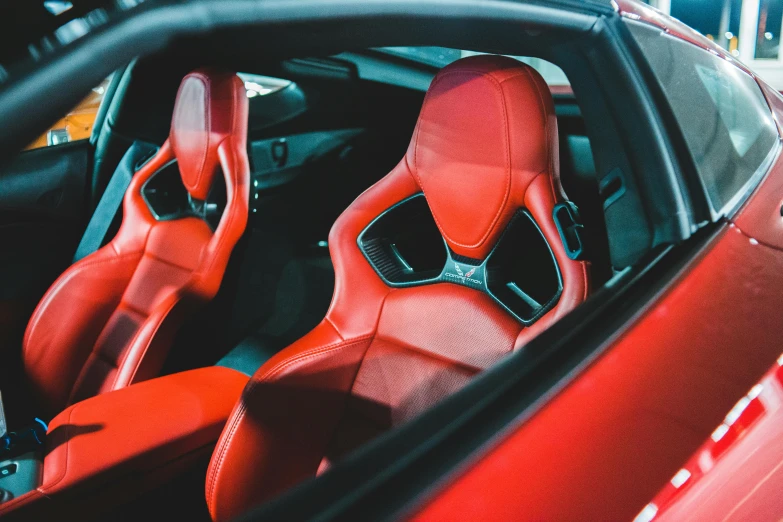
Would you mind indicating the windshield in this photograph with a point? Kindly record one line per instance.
(442, 56)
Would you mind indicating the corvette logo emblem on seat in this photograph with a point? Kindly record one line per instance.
(459, 271)
(463, 277)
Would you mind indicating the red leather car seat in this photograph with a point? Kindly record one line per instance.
(485, 146)
(109, 319)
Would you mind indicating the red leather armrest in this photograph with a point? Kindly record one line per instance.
(133, 433)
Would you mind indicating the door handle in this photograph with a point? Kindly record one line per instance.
(279, 150)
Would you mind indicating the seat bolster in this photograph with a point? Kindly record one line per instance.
(358, 291)
(279, 430)
(67, 322)
(234, 162)
(142, 358)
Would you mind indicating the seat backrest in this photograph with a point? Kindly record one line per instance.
(108, 321)
(433, 284)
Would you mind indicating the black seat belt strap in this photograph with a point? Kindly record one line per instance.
(108, 206)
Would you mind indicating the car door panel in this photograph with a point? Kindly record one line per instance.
(47, 182)
(277, 161)
(42, 214)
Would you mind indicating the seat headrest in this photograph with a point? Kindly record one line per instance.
(211, 106)
(486, 130)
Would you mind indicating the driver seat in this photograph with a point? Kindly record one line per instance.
(397, 340)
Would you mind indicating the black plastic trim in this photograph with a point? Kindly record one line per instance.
(395, 272)
(103, 108)
(391, 268)
(150, 27)
(570, 228)
(160, 216)
(195, 208)
(552, 301)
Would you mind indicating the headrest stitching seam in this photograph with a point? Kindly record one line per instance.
(231, 215)
(208, 125)
(549, 138)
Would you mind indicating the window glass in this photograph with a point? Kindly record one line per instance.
(77, 124)
(721, 111)
(442, 56)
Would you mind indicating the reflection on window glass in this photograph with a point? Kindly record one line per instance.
(718, 20)
(442, 56)
(732, 108)
(768, 35)
(721, 111)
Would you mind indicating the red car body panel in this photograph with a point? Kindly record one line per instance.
(614, 436)
(738, 473)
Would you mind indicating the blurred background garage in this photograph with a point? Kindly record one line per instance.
(749, 29)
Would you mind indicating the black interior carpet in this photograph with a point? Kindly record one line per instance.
(285, 292)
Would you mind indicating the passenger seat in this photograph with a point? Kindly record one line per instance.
(109, 320)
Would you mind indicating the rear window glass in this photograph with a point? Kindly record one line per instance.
(442, 56)
(721, 110)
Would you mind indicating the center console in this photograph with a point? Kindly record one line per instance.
(111, 448)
